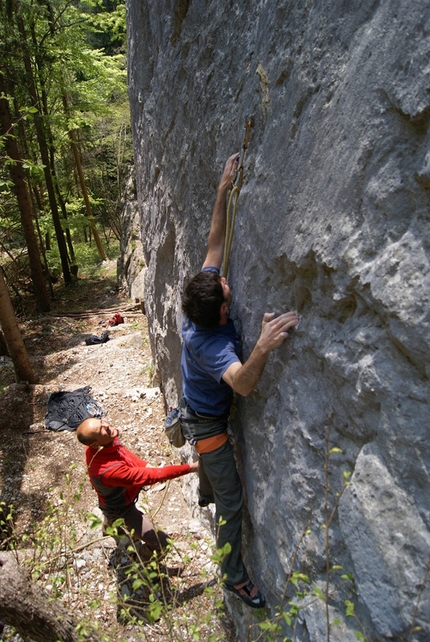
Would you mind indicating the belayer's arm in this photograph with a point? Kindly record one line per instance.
(124, 475)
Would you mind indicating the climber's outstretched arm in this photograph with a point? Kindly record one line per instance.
(216, 238)
(244, 378)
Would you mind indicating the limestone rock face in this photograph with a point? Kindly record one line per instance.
(131, 266)
(333, 221)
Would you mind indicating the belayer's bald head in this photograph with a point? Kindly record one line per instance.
(96, 432)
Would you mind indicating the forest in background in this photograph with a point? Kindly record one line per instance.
(65, 140)
(65, 157)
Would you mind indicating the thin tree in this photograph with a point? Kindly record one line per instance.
(82, 183)
(24, 201)
(13, 338)
(43, 148)
(40, 64)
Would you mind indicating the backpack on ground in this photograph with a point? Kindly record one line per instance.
(93, 339)
(66, 410)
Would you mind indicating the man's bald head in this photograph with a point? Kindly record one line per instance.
(87, 431)
(95, 432)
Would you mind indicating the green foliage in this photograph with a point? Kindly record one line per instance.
(108, 21)
(87, 258)
(145, 594)
(7, 514)
(301, 592)
(77, 52)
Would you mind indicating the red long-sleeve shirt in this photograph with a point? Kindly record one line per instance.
(118, 475)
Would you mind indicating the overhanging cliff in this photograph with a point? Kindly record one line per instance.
(333, 221)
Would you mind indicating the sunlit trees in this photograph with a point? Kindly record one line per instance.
(18, 178)
(64, 82)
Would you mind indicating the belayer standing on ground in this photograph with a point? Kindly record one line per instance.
(211, 371)
(117, 476)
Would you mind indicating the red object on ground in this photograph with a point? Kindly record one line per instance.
(116, 319)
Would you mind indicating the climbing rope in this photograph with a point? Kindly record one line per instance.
(234, 197)
(162, 500)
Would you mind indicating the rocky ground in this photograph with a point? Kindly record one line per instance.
(42, 474)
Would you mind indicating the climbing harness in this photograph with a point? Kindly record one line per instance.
(234, 197)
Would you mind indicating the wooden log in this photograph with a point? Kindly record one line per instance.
(97, 312)
(25, 606)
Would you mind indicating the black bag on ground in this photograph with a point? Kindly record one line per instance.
(66, 410)
(93, 339)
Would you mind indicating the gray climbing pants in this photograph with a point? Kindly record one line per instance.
(219, 483)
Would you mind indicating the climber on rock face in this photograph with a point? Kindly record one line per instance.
(211, 371)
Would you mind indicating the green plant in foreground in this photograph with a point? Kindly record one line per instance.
(143, 594)
(7, 535)
(146, 594)
(300, 593)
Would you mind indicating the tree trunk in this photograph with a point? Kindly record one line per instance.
(13, 338)
(65, 216)
(84, 190)
(3, 346)
(42, 82)
(41, 139)
(24, 606)
(45, 260)
(24, 202)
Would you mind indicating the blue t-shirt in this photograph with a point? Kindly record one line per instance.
(206, 355)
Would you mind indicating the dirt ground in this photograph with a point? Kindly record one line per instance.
(41, 471)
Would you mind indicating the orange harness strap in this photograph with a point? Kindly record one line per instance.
(211, 443)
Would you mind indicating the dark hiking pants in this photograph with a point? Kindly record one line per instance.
(143, 528)
(219, 483)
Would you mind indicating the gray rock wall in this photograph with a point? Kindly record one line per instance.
(333, 221)
(131, 268)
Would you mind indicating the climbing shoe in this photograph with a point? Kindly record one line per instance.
(256, 601)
